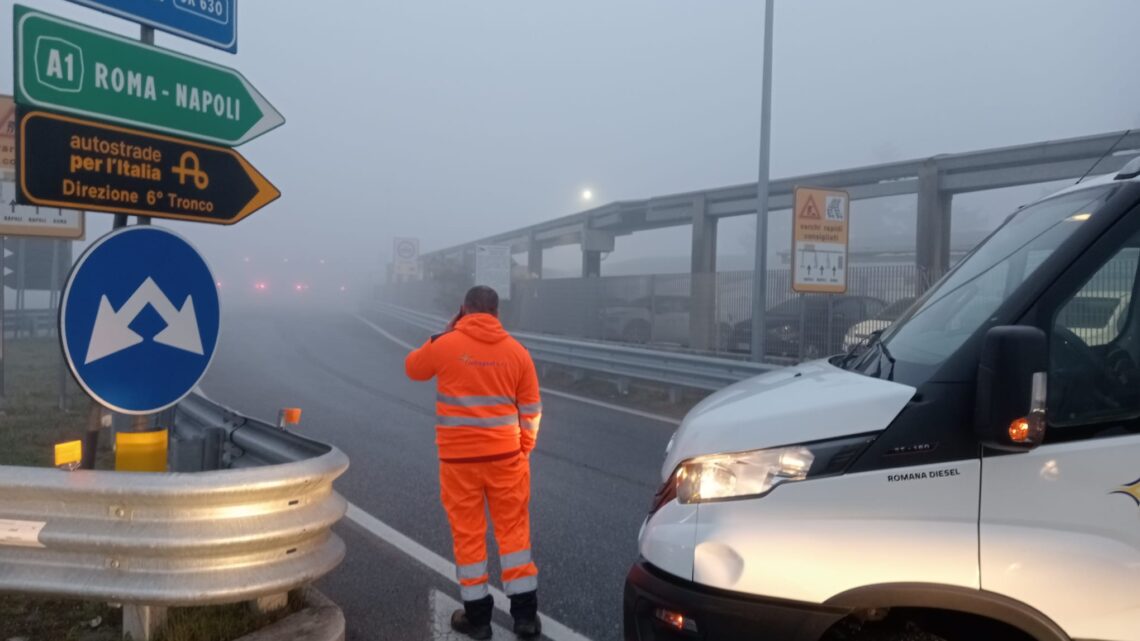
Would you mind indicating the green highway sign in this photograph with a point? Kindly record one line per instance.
(79, 164)
(69, 67)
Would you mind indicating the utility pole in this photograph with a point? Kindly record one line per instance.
(760, 269)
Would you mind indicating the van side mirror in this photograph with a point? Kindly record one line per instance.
(1010, 400)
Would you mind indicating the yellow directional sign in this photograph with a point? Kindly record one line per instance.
(82, 164)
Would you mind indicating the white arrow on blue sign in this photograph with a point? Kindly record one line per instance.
(139, 319)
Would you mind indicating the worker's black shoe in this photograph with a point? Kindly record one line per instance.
(462, 625)
(528, 628)
(524, 609)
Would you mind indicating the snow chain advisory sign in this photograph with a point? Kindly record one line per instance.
(493, 268)
(819, 241)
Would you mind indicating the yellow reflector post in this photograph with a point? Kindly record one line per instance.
(141, 451)
(68, 455)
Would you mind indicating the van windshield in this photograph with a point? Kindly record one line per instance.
(965, 300)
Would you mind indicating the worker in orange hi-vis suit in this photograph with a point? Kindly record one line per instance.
(488, 411)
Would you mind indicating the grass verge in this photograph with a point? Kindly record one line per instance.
(222, 622)
(31, 420)
(31, 423)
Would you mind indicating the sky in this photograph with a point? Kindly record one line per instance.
(449, 121)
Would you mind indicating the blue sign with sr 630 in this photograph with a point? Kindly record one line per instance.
(210, 22)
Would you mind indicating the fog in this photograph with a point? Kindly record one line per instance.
(451, 121)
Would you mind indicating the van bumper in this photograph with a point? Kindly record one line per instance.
(718, 614)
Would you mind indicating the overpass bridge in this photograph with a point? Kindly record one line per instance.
(934, 180)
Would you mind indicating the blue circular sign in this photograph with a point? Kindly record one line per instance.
(139, 319)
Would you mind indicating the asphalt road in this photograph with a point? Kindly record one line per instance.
(593, 473)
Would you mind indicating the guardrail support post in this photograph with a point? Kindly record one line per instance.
(932, 243)
(142, 622)
(271, 603)
(594, 243)
(702, 284)
(534, 257)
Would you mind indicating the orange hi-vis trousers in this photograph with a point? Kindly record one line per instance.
(503, 486)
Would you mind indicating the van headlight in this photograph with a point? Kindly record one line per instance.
(754, 473)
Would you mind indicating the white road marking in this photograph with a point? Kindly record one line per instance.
(546, 390)
(550, 628)
(441, 608)
(612, 406)
(385, 333)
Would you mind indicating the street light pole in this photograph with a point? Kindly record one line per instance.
(760, 269)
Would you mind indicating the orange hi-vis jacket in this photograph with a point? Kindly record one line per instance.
(487, 399)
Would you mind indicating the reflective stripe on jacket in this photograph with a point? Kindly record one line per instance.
(487, 399)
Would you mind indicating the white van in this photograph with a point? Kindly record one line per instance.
(974, 474)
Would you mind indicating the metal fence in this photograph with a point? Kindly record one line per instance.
(1098, 313)
(703, 312)
(31, 323)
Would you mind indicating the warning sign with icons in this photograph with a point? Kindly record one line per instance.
(819, 241)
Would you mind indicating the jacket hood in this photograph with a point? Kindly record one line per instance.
(484, 328)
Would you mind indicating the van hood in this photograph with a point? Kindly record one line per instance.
(810, 402)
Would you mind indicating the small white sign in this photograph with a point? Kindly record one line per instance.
(24, 220)
(24, 534)
(406, 256)
(493, 268)
(821, 264)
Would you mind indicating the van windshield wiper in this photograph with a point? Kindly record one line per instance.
(884, 352)
(858, 350)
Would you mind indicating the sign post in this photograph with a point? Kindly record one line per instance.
(78, 164)
(819, 241)
(69, 67)
(493, 268)
(209, 22)
(23, 220)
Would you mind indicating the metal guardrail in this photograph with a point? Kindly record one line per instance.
(672, 368)
(221, 536)
(33, 322)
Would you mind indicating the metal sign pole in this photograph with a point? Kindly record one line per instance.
(142, 423)
(21, 269)
(3, 312)
(56, 291)
(760, 269)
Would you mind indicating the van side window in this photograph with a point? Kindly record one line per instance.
(1095, 347)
